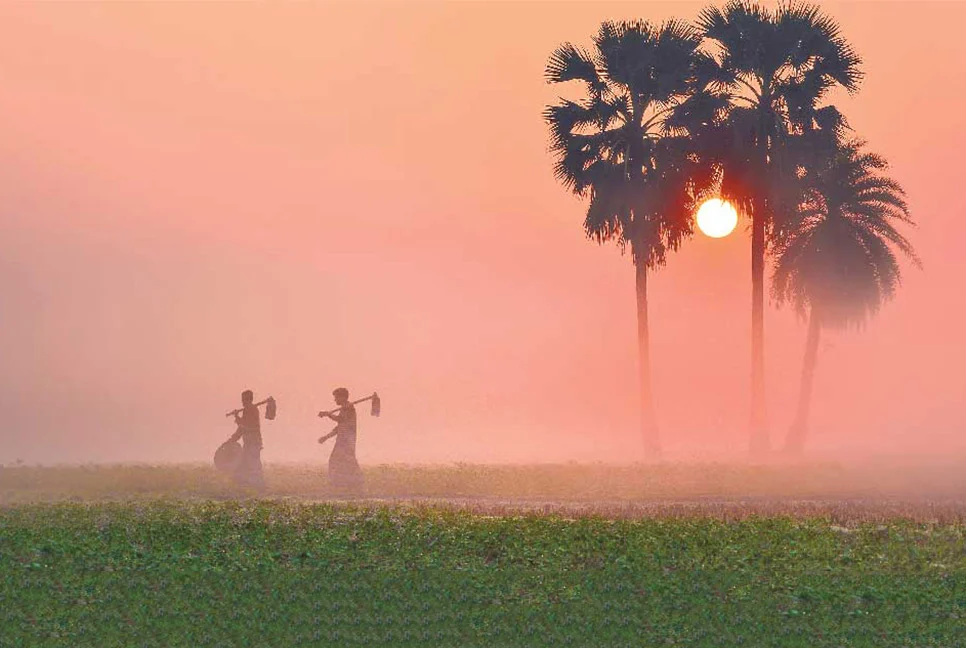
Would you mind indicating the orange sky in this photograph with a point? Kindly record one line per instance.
(201, 198)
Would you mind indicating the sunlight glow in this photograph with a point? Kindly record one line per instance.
(716, 218)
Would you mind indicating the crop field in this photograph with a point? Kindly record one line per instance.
(576, 555)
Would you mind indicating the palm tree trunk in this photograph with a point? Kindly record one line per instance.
(649, 431)
(795, 442)
(758, 431)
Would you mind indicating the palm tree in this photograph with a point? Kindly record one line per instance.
(628, 144)
(838, 264)
(777, 67)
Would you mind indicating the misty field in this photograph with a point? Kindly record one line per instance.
(484, 555)
(872, 491)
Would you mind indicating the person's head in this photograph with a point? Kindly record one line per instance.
(341, 396)
(248, 397)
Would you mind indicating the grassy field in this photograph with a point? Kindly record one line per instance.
(572, 482)
(475, 555)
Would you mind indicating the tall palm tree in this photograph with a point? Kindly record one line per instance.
(837, 264)
(628, 146)
(777, 68)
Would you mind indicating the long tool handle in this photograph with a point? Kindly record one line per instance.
(233, 412)
(355, 402)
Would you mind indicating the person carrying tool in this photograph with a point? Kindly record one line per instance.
(249, 469)
(344, 471)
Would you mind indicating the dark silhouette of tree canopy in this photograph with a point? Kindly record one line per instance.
(775, 69)
(837, 262)
(631, 145)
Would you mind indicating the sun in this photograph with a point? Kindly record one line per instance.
(716, 218)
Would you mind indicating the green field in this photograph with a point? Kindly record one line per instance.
(171, 556)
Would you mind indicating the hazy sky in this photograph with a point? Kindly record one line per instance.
(202, 198)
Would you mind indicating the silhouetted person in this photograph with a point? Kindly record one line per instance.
(344, 471)
(249, 469)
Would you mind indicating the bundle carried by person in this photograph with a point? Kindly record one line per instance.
(227, 456)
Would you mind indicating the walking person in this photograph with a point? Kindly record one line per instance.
(344, 471)
(248, 472)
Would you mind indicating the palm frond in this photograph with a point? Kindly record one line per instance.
(842, 255)
(816, 41)
(567, 117)
(569, 63)
(741, 29)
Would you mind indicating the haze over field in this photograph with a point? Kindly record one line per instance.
(203, 198)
